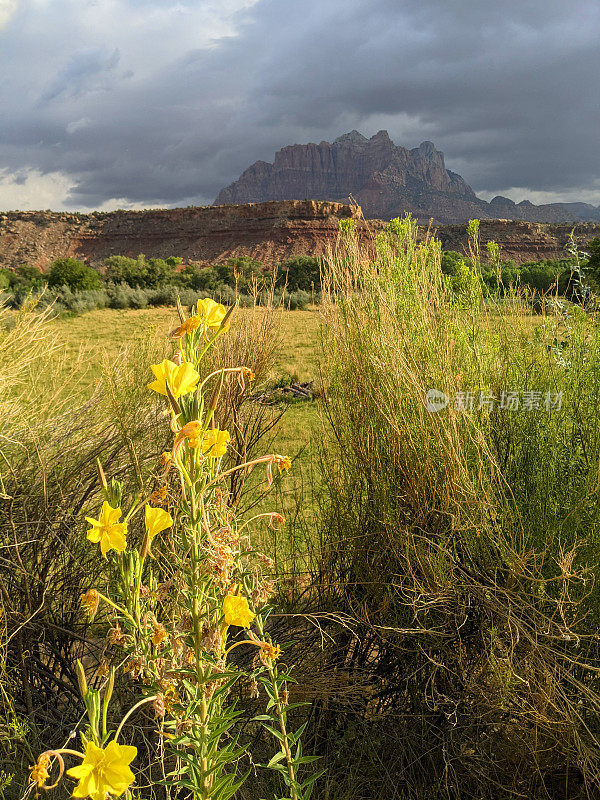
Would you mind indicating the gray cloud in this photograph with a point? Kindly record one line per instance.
(165, 102)
(85, 71)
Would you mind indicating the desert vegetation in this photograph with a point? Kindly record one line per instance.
(401, 602)
(71, 286)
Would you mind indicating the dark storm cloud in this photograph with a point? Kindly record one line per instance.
(160, 102)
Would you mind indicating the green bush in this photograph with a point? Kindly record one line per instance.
(139, 282)
(140, 272)
(506, 276)
(195, 276)
(5, 277)
(451, 261)
(300, 273)
(22, 280)
(74, 274)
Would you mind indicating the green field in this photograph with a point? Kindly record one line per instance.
(91, 337)
(88, 336)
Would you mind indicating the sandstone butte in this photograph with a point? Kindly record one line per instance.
(269, 232)
(386, 180)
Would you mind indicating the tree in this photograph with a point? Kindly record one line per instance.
(141, 272)
(301, 272)
(75, 274)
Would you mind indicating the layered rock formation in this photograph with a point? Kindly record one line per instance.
(386, 180)
(268, 232)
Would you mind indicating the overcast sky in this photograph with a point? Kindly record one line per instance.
(132, 103)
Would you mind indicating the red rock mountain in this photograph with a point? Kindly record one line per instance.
(386, 180)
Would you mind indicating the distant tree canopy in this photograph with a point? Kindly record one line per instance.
(540, 276)
(301, 273)
(74, 274)
(22, 279)
(593, 264)
(141, 272)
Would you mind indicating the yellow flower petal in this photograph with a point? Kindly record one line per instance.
(211, 313)
(237, 611)
(182, 378)
(157, 520)
(104, 772)
(214, 443)
(107, 531)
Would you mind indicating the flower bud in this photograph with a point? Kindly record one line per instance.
(83, 687)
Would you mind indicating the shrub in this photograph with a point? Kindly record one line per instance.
(296, 300)
(300, 273)
(197, 277)
(462, 543)
(74, 274)
(141, 272)
(5, 278)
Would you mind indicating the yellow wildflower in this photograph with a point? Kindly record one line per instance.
(90, 602)
(182, 379)
(108, 530)
(157, 520)
(170, 697)
(190, 431)
(187, 326)
(267, 652)
(214, 443)
(159, 495)
(211, 313)
(104, 771)
(237, 611)
(39, 772)
(283, 462)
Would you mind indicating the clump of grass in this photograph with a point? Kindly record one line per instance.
(460, 544)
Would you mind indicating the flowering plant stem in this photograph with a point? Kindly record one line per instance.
(172, 611)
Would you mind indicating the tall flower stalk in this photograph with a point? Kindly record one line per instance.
(180, 617)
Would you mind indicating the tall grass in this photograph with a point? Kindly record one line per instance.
(463, 545)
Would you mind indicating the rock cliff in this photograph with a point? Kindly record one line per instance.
(270, 232)
(386, 180)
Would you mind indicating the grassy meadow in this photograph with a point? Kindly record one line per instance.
(434, 624)
(91, 338)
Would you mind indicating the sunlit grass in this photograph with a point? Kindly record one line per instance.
(107, 330)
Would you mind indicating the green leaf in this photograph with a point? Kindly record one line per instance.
(276, 759)
(277, 734)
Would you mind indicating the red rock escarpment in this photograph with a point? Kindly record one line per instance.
(269, 232)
